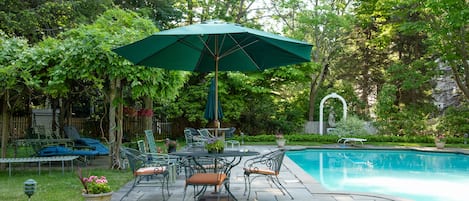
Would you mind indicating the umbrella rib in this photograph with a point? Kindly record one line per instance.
(206, 46)
(239, 47)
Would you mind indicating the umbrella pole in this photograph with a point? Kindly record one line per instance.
(217, 123)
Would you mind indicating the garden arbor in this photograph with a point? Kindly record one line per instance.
(321, 110)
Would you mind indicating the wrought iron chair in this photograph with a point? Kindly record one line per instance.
(267, 165)
(204, 172)
(205, 134)
(190, 142)
(141, 146)
(153, 150)
(229, 134)
(158, 168)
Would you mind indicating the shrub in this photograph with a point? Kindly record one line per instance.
(351, 126)
(455, 121)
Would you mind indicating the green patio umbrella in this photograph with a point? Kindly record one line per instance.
(210, 110)
(215, 46)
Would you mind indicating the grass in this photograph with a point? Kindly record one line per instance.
(53, 186)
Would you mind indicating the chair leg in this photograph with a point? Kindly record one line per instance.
(167, 187)
(279, 185)
(162, 187)
(184, 195)
(246, 177)
(133, 185)
(248, 186)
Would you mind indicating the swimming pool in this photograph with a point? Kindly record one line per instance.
(415, 175)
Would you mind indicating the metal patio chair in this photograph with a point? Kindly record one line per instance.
(191, 142)
(229, 134)
(267, 165)
(205, 172)
(158, 170)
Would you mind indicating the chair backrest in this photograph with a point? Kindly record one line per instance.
(141, 146)
(277, 159)
(205, 134)
(188, 136)
(71, 132)
(134, 157)
(230, 132)
(204, 165)
(151, 141)
(138, 159)
(272, 161)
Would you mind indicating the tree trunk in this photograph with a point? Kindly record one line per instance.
(120, 125)
(112, 124)
(5, 124)
(316, 82)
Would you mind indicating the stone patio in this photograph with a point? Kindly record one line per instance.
(302, 186)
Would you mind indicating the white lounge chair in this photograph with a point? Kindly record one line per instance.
(345, 140)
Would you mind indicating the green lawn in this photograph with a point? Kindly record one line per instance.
(54, 186)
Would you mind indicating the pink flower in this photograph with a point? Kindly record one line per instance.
(94, 184)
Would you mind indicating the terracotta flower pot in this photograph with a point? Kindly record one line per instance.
(98, 197)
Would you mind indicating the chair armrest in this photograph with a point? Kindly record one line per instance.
(258, 159)
(157, 159)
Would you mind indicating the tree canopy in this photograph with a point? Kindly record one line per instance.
(382, 56)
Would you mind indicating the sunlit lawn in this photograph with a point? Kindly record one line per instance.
(52, 185)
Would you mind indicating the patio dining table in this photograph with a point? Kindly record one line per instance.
(235, 157)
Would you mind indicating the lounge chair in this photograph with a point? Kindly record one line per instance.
(94, 144)
(64, 151)
(352, 141)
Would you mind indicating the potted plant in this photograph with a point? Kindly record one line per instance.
(280, 139)
(215, 145)
(170, 145)
(440, 141)
(95, 188)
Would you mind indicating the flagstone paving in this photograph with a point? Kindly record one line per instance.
(302, 186)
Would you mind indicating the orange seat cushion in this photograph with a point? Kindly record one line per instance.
(150, 170)
(206, 179)
(260, 171)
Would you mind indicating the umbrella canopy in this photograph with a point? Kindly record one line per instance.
(213, 47)
(210, 106)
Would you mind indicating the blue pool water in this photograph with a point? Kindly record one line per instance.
(414, 175)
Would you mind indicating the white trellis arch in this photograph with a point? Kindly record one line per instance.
(321, 109)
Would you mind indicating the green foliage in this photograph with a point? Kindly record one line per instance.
(37, 20)
(448, 37)
(12, 75)
(400, 119)
(455, 121)
(215, 144)
(87, 59)
(351, 126)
